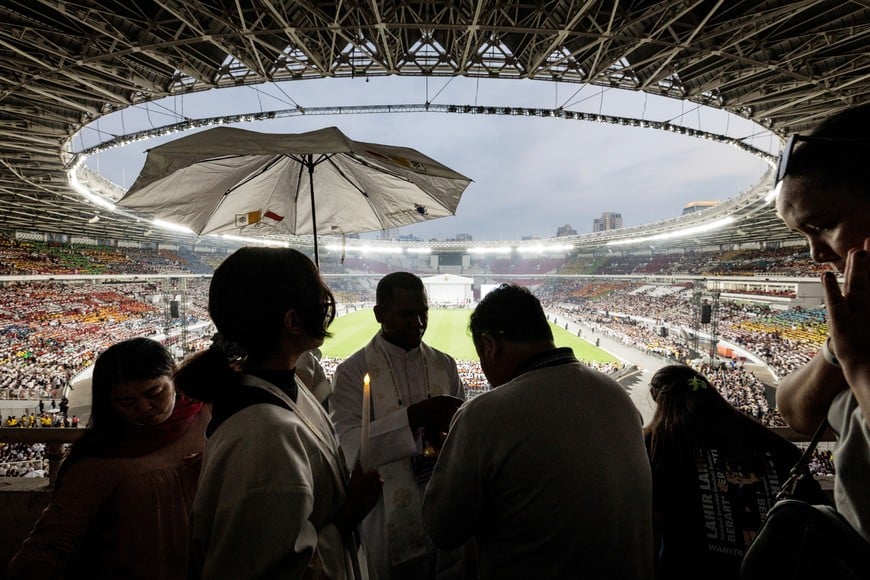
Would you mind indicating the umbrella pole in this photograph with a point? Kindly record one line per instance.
(313, 214)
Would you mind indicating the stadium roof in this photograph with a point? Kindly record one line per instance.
(784, 64)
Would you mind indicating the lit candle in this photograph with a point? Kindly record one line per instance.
(366, 419)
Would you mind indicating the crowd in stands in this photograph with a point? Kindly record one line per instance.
(29, 257)
(785, 339)
(29, 459)
(787, 261)
(23, 460)
(31, 421)
(822, 462)
(471, 374)
(50, 331)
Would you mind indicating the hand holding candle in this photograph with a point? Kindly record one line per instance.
(366, 420)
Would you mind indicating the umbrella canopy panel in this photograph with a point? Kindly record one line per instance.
(228, 180)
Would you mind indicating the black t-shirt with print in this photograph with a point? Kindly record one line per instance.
(709, 509)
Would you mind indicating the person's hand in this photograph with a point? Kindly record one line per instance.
(434, 414)
(849, 311)
(363, 493)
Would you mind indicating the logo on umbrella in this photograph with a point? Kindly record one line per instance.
(254, 217)
(400, 161)
(247, 219)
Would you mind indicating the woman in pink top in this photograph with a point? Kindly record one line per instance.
(120, 507)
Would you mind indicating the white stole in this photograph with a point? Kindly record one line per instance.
(403, 505)
(335, 556)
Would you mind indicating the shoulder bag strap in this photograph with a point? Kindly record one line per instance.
(798, 471)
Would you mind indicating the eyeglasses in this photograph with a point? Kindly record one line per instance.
(785, 154)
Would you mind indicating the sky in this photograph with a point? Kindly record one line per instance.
(531, 175)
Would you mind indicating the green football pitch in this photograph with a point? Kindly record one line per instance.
(447, 331)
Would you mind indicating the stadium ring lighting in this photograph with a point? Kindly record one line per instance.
(694, 230)
(698, 223)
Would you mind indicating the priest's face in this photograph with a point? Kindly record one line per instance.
(404, 318)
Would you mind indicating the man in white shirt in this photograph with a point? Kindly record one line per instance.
(547, 471)
(415, 390)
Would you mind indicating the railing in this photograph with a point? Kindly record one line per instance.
(28, 464)
(55, 438)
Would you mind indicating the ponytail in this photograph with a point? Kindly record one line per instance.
(207, 376)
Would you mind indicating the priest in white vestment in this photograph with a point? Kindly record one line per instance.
(415, 390)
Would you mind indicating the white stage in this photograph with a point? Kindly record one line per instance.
(449, 289)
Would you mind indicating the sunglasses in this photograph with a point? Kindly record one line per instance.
(785, 154)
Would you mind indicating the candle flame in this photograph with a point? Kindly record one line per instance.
(366, 380)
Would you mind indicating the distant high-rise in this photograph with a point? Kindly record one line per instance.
(464, 237)
(565, 230)
(608, 221)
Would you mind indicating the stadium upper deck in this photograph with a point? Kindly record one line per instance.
(779, 63)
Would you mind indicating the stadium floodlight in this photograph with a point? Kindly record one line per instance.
(490, 250)
(86, 193)
(419, 250)
(366, 249)
(262, 241)
(171, 226)
(694, 230)
(542, 249)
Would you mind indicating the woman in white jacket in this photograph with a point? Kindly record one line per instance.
(275, 499)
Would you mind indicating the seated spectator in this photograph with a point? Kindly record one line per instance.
(825, 175)
(716, 473)
(120, 508)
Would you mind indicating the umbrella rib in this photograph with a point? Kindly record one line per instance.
(262, 170)
(346, 178)
(386, 170)
(380, 168)
(302, 161)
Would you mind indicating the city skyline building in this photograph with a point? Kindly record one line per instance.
(608, 221)
(565, 230)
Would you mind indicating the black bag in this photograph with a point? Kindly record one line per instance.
(800, 540)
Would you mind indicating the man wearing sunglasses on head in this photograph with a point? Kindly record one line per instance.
(823, 184)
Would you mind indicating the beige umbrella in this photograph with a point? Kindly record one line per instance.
(234, 181)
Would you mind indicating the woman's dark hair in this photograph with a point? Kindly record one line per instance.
(691, 414)
(250, 293)
(510, 312)
(130, 360)
(839, 158)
